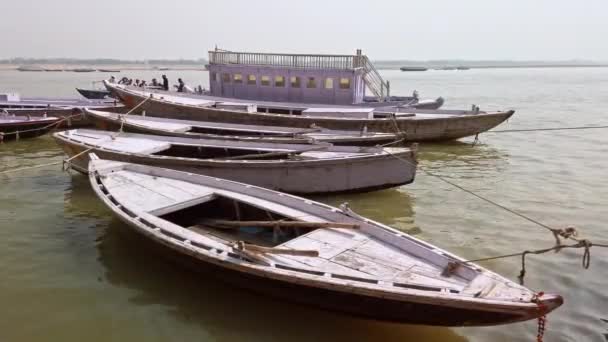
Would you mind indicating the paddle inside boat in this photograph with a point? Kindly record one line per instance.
(304, 251)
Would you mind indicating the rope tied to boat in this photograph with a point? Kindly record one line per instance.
(29, 167)
(542, 320)
(53, 125)
(567, 233)
(121, 117)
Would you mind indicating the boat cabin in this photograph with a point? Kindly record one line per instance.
(296, 78)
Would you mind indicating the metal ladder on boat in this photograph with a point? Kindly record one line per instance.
(374, 82)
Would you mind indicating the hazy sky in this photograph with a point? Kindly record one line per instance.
(398, 29)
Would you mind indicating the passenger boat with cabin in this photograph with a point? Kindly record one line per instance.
(16, 127)
(308, 252)
(217, 130)
(415, 124)
(301, 90)
(303, 169)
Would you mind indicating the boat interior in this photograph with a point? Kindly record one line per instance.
(188, 126)
(211, 149)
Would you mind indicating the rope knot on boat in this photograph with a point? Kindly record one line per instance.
(542, 320)
(566, 233)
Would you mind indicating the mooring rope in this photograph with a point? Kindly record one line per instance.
(568, 233)
(545, 129)
(30, 167)
(49, 126)
(67, 163)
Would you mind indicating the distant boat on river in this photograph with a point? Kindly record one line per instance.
(413, 68)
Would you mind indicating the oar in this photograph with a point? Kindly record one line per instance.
(274, 154)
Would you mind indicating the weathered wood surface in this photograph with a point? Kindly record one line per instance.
(336, 169)
(394, 280)
(229, 131)
(272, 224)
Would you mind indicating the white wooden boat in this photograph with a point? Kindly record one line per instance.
(300, 250)
(304, 169)
(415, 124)
(26, 126)
(230, 131)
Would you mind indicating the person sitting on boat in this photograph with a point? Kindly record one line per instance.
(142, 83)
(137, 82)
(165, 83)
(112, 79)
(154, 83)
(180, 85)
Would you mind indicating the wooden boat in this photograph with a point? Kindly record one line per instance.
(13, 127)
(83, 70)
(308, 252)
(30, 68)
(93, 94)
(413, 68)
(214, 130)
(57, 107)
(305, 169)
(415, 124)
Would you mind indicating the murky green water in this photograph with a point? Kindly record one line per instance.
(69, 272)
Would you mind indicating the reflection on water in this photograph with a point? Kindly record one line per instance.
(464, 158)
(391, 206)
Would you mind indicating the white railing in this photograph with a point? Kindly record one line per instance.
(372, 78)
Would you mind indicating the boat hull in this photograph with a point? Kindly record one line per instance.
(356, 305)
(108, 124)
(74, 116)
(25, 129)
(298, 177)
(93, 94)
(438, 128)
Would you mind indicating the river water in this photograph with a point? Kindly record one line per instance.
(70, 272)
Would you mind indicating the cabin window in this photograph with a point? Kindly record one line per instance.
(345, 83)
(226, 78)
(214, 76)
(251, 79)
(279, 81)
(265, 80)
(238, 78)
(295, 82)
(311, 83)
(329, 83)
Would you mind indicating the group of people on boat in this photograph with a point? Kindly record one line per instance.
(163, 84)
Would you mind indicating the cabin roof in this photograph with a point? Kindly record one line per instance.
(306, 61)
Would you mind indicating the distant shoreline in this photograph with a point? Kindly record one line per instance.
(381, 65)
(121, 67)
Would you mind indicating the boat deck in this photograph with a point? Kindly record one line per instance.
(347, 252)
